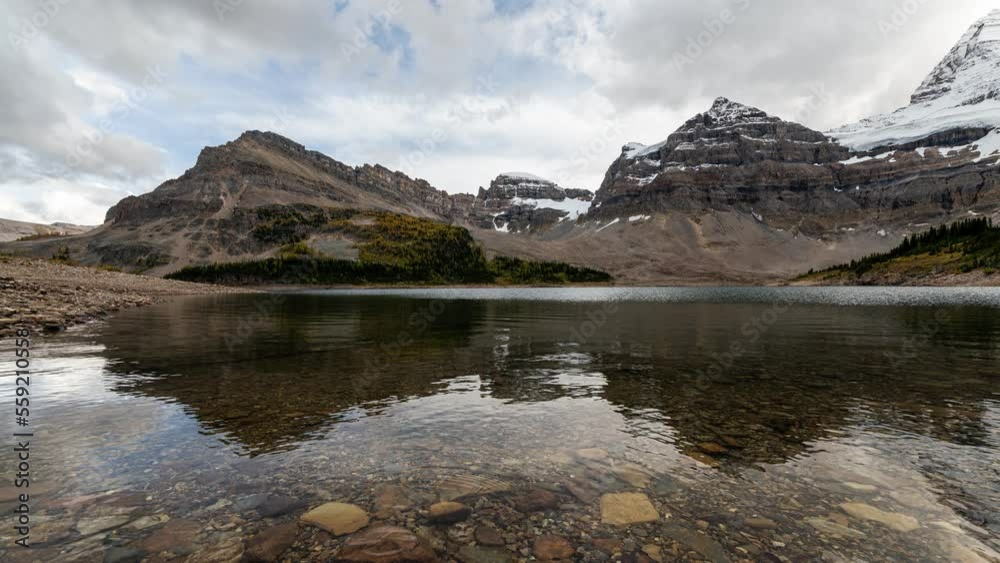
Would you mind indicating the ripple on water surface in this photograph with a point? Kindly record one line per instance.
(760, 423)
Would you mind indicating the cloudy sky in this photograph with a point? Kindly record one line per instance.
(105, 98)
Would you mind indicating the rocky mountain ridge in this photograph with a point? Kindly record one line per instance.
(13, 230)
(522, 202)
(733, 194)
(958, 102)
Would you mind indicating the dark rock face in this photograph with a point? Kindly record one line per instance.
(208, 214)
(519, 203)
(262, 167)
(737, 158)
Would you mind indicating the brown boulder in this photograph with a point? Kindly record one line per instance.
(385, 544)
(268, 545)
(549, 548)
(536, 500)
(448, 513)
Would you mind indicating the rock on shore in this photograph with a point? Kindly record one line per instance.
(49, 296)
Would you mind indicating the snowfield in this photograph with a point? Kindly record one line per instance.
(958, 94)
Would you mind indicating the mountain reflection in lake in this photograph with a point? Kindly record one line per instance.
(845, 424)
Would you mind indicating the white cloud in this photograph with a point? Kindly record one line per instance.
(562, 69)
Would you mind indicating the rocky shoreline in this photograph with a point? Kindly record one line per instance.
(48, 296)
(971, 279)
(595, 509)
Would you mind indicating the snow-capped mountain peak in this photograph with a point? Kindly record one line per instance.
(974, 57)
(726, 112)
(962, 93)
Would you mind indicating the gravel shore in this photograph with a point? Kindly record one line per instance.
(48, 296)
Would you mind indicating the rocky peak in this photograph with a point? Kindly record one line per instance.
(957, 104)
(726, 113)
(730, 133)
(974, 58)
(512, 185)
(522, 202)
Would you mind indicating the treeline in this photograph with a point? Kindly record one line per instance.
(391, 249)
(517, 271)
(310, 270)
(976, 240)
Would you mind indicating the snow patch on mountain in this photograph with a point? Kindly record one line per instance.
(960, 93)
(526, 176)
(987, 147)
(574, 207)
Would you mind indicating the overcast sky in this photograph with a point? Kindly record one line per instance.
(103, 98)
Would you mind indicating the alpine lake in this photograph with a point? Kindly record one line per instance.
(497, 425)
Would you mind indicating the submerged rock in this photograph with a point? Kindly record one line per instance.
(549, 548)
(476, 554)
(833, 529)
(386, 544)
(699, 542)
(268, 545)
(898, 522)
(391, 499)
(623, 509)
(448, 513)
(337, 518)
(490, 537)
(536, 500)
(654, 552)
(463, 486)
(593, 454)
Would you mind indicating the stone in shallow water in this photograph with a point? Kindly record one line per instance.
(536, 500)
(654, 552)
(634, 475)
(337, 518)
(448, 513)
(833, 529)
(93, 524)
(226, 551)
(711, 448)
(703, 544)
(123, 555)
(861, 487)
(623, 509)
(490, 537)
(391, 499)
(608, 546)
(898, 522)
(550, 548)
(268, 545)
(276, 505)
(148, 522)
(703, 459)
(593, 454)
(177, 536)
(386, 544)
(470, 485)
(476, 554)
(582, 491)
(761, 523)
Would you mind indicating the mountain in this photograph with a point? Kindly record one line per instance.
(957, 104)
(732, 195)
(735, 194)
(13, 230)
(216, 211)
(252, 208)
(522, 202)
(966, 252)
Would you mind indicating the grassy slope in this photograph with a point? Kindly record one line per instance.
(966, 247)
(391, 249)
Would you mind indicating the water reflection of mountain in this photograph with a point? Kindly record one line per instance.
(811, 374)
(312, 363)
